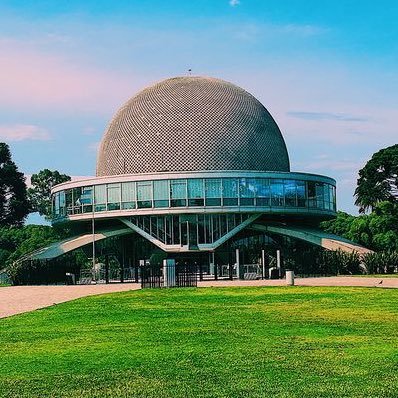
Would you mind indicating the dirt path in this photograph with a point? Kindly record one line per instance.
(19, 299)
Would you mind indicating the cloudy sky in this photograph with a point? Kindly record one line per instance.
(326, 70)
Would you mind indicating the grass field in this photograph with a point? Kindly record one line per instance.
(213, 342)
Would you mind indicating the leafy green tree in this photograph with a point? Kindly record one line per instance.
(40, 192)
(339, 225)
(377, 230)
(14, 205)
(378, 180)
(18, 241)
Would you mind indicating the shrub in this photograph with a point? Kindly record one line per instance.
(381, 262)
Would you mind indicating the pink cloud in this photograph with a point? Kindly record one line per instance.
(23, 132)
(30, 78)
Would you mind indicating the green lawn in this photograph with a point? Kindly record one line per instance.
(213, 342)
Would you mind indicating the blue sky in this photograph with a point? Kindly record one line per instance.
(326, 70)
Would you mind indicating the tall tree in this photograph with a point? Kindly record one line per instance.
(40, 192)
(377, 230)
(378, 180)
(14, 205)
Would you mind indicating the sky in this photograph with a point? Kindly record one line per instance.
(326, 71)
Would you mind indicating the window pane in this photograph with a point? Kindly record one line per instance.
(76, 199)
(326, 196)
(144, 190)
(178, 190)
(247, 187)
(230, 201)
(86, 196)
(195, 188)
(62, 206)
(100, 194)
(230, 187)
(300, 186)
(128, 195)
(334, 198)
(311, 194)
(263, 189)
(263, 196)
(195, 192)
(86, 199)
(114, 193)
(277, 198)
(144, 194)
(161, 190)
(290, 193)
(69, 201)
(114, 196)
(319, 195)
(161, 193)
(213, 188)
(247, 191)
(56, 203)
(230, 191)
(213, 191)
(128, 192)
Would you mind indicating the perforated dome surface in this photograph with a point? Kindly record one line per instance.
(192, 124)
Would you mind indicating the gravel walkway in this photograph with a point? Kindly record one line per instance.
(19, 299)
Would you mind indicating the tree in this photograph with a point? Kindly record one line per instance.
(14, 205)
(18, 241)
(377, 230)
(40, 192)
(378, 180)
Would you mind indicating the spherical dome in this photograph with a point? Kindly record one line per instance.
(192, 124)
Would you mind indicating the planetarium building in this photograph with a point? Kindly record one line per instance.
(187, 169)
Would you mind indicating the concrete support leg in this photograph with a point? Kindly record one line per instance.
(107, 268)
(237, 261)
(263, 264)
(278, 261)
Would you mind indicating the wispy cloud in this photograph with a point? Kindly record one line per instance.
(234, 3)
(94, 146)
(327, 164)
(89, 130)
(279, 33)
(327, 116)
(23, 132)
(303, 30)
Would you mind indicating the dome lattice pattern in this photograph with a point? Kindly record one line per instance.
(192, 124)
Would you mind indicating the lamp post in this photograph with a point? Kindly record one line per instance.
(93, 234)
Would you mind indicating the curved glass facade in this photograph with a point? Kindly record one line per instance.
(223, 192)
(192, 230)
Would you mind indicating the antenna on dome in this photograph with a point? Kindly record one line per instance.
(189, 72)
